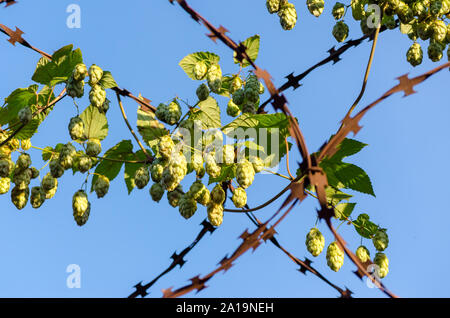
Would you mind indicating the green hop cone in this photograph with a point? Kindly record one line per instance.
(315, 242)
(25, 115)
(238, 97)
(365, 27)
(156, 170)
(203, 197)
(218, 194)
(22, 178)
(51, 193)
(382, 262)
(288, 16)
(66, 156)
(439, 30)
(19, 197)
(389, 22)
(95, 74)
(380, 240)
(214, 78)
(415, 54)
(245, 173)
(156, 192)
(424, 30)
(338, 10)
(74, 88)
(315, 7)
(249, 108)
(239, 198)
(251, 94)
(435, 51)
(105, 106)
(419, 9)
(174, 197)
(358, 12)
(225, 154)
(93, 147)
(435, 7)
(236, 84)
(258, 164)
(48, 182)
(34, 172)
(23, 162)
(5, 184)
(211, 166)
(97, 96)
(173, 113)
(273, 6)
(261, 88)
(83, 163)
(174, 172)
(166, 146)
(37, 197)
(56, 169)
(101, 186)
(81, 207)
(448, 33)
(335, 256)
(340, 31)
(79, 72)
(161, 111)
(363, 254)
(197, 163)
(25, 144)
(6, 167)
(76, 128)
(202, 92)
(404, 12)
(14, 144)
(141, 177)
(233, 109)
(196, 189)
(200, 70)
(187, 206)
(215, 213)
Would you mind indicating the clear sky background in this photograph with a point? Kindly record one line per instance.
(130, 238)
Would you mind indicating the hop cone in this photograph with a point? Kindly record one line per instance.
(211, 166)
(358, 12)
(273, 6)
(141, 177)
(439, 30)
(215, 213)
(415, 54)
(156, 170)
(66, 156)
(5, 184)
(239, 197)
(48, 182)
(173, 113)
(338, 10)
(174, 196)
(23, 162)
(245, 174)
(93, 147)
(315, 7)
(187, 206)
(218, 194)
(156, 192)
(81, 207)
(315, 242)
(19, 197)
(101, 186)
(236, 84)
(238, 97)
(97, 96)
(233, 109)
(202, 92)
(340, 31)
(288, 16)
(363, 254)
(258, 164)
(383, 264)
(214, 78)
(56, 169)
(174, 172)
(37, 197)
(200, 70)
(76, 128)
(25, 144)
(335, 256)
(95, 74)
(6, 167)
(380, 240)
(75, 88)
(79, 72)
(165, 146)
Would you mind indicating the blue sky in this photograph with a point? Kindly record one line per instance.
(130, 238)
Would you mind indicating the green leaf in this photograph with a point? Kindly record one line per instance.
(107, 81)
(226, 85)
(247, 120)
(149, 127)
(228, 172)
(364, 226)
(95, 123)
(18, 99)
(346, 175)
(60, 68)
(131, 168)
(47, 153)
(335, 196)
(348, 147)
(252, 45)
(208, 113)
(343, 210)
(109, 168)
(189, 61)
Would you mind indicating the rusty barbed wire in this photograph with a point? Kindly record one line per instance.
(8, 2)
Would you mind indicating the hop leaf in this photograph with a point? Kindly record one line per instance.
(25, 115)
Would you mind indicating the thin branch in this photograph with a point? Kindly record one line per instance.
(287, 158)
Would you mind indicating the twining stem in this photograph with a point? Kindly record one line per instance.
(149, 157)
(278, 174)
(287, 158)
(366, 76)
